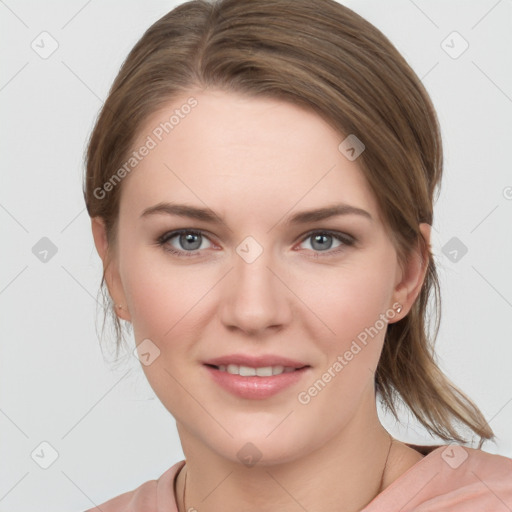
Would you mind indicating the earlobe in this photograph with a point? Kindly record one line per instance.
(112, 277)
(413, 275)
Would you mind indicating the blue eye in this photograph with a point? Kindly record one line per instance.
(190, 242)
(322, 240)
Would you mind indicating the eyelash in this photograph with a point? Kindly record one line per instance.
(347, 241)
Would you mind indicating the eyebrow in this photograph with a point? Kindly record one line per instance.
(207, 215)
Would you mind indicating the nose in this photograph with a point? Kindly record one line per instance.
(254, 298)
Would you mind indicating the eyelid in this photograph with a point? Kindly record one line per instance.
(346, 240)
(174, 232)
(340, 235)
(168, 235)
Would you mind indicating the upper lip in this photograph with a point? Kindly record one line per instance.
(255, 361)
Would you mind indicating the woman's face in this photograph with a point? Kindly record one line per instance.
(257, 278)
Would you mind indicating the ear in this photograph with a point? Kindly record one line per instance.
(412, 277)
(112, 277)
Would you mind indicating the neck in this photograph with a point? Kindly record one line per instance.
(344, 474)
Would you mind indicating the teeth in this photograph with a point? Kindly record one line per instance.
(277, 370)
(247, 371)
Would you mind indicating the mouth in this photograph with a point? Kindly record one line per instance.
(256, 382)
(261, 371)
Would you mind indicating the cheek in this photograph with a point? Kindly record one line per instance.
(165, 301)
(351, 304)
(346, 300)
(161, 296)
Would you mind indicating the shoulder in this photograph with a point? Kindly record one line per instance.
(150, 496)
(454, 478)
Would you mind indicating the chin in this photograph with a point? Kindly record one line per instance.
(254, 446)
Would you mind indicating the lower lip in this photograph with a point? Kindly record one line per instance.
(255, 388)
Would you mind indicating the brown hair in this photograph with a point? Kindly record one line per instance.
(321, 55)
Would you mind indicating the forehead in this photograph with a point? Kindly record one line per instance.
(233, 150)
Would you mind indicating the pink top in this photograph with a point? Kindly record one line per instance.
(449, 478)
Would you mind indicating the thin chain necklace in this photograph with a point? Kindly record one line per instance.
(378, 492)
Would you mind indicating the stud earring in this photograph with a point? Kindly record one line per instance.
(399, 309)
(119, 306)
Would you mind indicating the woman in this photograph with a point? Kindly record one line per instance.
(261, 182)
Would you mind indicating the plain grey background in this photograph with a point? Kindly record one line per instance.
(109, 431)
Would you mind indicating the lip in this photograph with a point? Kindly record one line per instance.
(256, 388)
(255, 361)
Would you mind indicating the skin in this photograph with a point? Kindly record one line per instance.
(255, 162)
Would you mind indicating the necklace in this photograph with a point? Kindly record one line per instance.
(380, 485)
